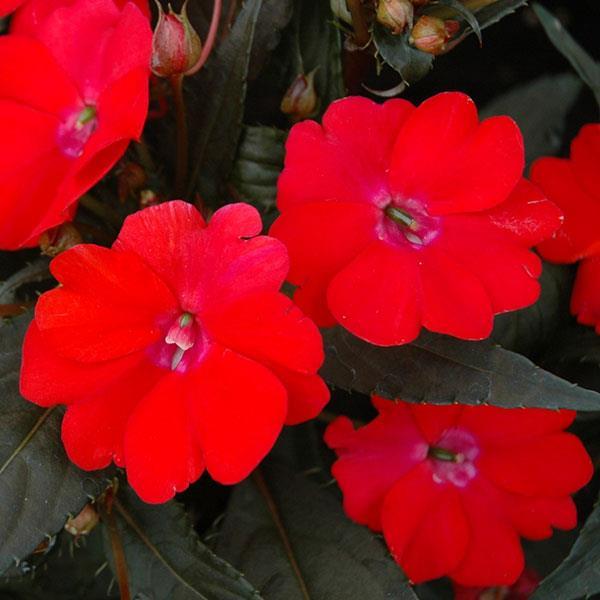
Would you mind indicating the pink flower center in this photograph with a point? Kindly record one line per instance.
(407, 221)
(453, 457)
(76, 129)
(183, 347)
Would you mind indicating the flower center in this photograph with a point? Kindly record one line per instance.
(76, 129)
(183, 346)
(407, 221)
(453, 457)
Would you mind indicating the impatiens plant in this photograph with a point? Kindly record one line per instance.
(173, 422)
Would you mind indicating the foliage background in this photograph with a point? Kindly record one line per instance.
(282, 535)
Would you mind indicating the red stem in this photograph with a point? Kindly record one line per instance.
(210, 39)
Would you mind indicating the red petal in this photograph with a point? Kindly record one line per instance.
(346, 159)
(323, 237)
(407, 505)
(527, 214)
(311, 298)
(585, 299)
(93, 429)
(306, 394)
(440, 542)
(269, 328)
(578, 237)
(445, 159)
(495, 426)
(376, 296)
(236, 419)
(26, 67)
(108, 305)
(553, 465)
(47, 379)
(454, 301)
(161, 453)
(373, 458)
(585, 157)
(434, 420)
(7, 6)
(534, 518)
(95, 43)
(505, 267)
(494, 555)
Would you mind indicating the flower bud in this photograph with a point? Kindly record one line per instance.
(300, 101)
(58, 239)
(176, 46)
(84, 522)
(430, 34)
(395, 15)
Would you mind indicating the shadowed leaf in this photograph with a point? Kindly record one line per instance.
(441, 369)
(336, 558)
(39, 486)
(165, 557)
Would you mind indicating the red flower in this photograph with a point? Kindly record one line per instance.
(174, 350)
(453, 487)
(573, 185)
(398, 217)
(73, 93)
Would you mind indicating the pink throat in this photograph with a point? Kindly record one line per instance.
(75, 130)
(407, 222)
(453, 457)
(184, 344)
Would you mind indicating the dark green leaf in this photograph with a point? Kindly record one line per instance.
(258, 164)
(39, 486)
(442, 369)
(540, 108)
(529, 331)
(412, 64)
(581, 61)
(578, 576)
(218, 94)
(71, 570)
(335, 559)
(490, 13)
(165, 558)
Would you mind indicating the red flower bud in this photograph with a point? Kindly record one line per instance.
(395, 15)
(300, 100)
(430, 34)
(176, 46)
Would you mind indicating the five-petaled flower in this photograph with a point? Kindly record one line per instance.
(73, 93)
(174, 351)
(573, 185)
(398, 217)
(453, 487)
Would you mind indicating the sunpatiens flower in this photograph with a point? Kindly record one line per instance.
(8, 6)
(174, 351)
(573, 185)
(453, 487)
(73, 93)
(398, 217)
